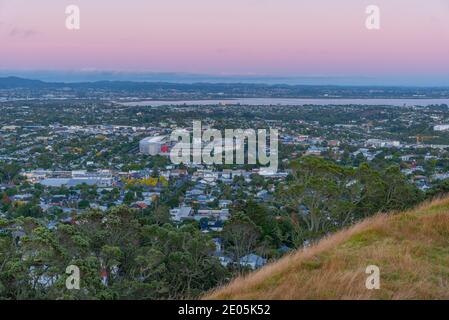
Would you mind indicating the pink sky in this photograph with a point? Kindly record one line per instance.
(279, 37)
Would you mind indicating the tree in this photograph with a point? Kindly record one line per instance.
(161, 215)
(83, 204)
(322, 194)
(8, 172)
(129, 197)
(399, 194)
(240, 235)
(137, 259)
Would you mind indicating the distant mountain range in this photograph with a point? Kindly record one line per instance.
(15, 82)
(223, 90)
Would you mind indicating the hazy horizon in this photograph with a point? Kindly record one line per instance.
(73, 76)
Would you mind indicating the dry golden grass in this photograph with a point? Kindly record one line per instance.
(411, 249)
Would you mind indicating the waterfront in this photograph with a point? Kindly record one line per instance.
(292, 101)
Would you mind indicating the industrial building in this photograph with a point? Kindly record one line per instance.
(100, 178)
(154, 145)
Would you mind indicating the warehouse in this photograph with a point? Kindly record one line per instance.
(153, 145)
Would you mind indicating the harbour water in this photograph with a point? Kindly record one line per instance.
(298, 102)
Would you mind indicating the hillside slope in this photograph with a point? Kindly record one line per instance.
(411, 249)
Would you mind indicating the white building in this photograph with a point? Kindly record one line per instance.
(441, 127)
(181, 213)
(152, 145)
(100, 178)
(221, 214)
(378, 143)
(253, 261)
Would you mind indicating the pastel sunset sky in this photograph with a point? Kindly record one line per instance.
(230, 37)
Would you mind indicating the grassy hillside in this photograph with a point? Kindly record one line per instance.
(411, 249)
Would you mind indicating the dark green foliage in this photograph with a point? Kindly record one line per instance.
(140, 261)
